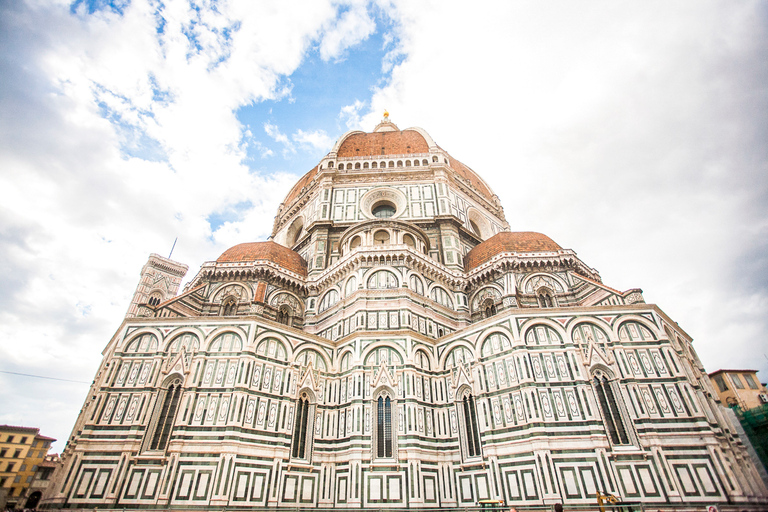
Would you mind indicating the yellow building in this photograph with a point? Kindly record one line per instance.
(739, 388)
(22, 449)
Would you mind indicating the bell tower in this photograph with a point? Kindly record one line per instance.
(160, 280)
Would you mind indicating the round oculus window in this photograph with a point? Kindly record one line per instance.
(383, 210)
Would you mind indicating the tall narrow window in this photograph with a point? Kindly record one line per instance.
(545, 299)
(300, 428)
(384, 430)
(284, 315)
(164, 424)
(229, 308)
(470, 426)
(613, 420)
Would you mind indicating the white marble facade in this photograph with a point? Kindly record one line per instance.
(397, 346)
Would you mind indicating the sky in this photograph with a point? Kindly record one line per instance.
(631, 132)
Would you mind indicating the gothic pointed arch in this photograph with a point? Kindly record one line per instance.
(615, 417)
(384, 438)
(164, 415)
(303, 425)
(466, 410)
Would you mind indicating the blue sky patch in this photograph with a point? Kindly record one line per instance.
(319, 90)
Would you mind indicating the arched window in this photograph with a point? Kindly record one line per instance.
(154, 299)
(441, 296)
(284, 315)
(458, 355)
(545, 299)
(381, 238)
(382, 279)
(311, 356)
(273, 348)
(421, 360)
(383, 210)
(187, 341)
(416, 284)
(380, 355)
(409, 241)
(587, 333)
(354, 244)
(301, 427)
(634, 331)
(614, 423)
(489, 308)
(384, 435)
(542, 335)
(226, 342)
(165, 414)
(471, 431)
(351, 286)
(330, 298)
(144, 344)
(345, 361)
(496, 343)
(374, 165)
(229, 307)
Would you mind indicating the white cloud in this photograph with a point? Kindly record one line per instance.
(632, 133)
(116, 126)
(354, 26)
(314, 140)
(350, 114)
(274, 132)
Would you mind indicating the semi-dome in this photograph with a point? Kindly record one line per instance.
(269, 251)
(522, 241)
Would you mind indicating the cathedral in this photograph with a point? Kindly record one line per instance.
(395, 345)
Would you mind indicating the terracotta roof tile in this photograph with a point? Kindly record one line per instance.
(383, 143)
(270, 251)
(297, 188)
(469, 175)
(523, 241)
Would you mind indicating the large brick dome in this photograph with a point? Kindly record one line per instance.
(388, 141)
